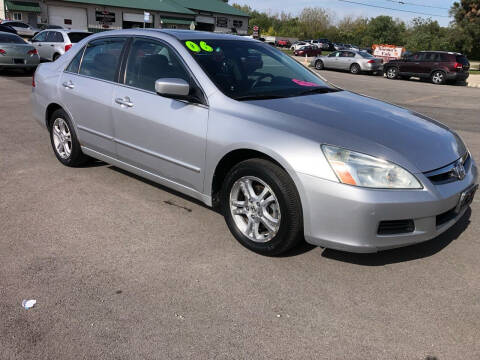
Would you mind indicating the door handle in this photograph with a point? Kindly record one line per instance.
(417, 63)
(52, 45)
(68, 85)
(124, 102)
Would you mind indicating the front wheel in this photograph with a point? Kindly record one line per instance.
(438, 78)
(262, 207)
(319, 65)
(392, 73)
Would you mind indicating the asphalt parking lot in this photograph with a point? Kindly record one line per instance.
(125, 269)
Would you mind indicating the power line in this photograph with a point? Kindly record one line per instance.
(419, 5)
(387, 8)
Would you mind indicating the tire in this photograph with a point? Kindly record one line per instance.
(319, 65)
(283, 206)
(438, 78)
(392, 73)
(64, 140)
(55, 57)
(355, 69)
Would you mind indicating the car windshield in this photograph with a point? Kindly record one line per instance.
(366, 55)
(245, 70)
(11, 39)
(76, 37)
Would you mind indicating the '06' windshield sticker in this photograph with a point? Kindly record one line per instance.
(195, 48)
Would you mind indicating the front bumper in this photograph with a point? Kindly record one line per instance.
(347, 218)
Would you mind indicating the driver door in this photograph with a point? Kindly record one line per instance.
(163, 136)
(330, 61)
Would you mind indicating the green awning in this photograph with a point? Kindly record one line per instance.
(176, 21)
(22, 6)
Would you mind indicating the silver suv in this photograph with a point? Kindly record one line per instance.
(51, 44)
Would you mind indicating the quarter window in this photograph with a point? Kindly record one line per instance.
(75, 63)
(102, 57)
(149, 61)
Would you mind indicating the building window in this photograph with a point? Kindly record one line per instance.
(222, 22)
(237, 23)
(17, 16)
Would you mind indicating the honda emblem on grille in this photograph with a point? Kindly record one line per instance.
(459, 171)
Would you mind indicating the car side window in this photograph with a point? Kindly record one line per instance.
(417, 57)
(75, 63)
(55, 37)
(40, 37)
(150, 60)
(334, 54)
(102, 57)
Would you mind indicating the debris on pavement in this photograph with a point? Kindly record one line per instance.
(28, 304)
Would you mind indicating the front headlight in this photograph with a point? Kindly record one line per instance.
(358, 169)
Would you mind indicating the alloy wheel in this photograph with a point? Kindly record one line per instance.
(438, 77)
(255, 209)
(392, 73)
(62, 138)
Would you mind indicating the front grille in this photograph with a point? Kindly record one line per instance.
(445, 217)
(393, 227)
(447, 174)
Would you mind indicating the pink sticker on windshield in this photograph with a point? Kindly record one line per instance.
(304, 83)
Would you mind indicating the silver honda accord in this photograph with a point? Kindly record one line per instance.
(243, 127)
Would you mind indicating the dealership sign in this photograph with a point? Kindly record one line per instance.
(105, 17)
(388, 52)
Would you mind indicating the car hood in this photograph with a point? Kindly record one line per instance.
(370, 126)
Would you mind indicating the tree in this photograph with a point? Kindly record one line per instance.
(385, 30)
(314, 21)
(466, 15)
(426, 34)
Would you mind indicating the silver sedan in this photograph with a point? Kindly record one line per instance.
(243, 127)
(16, 53)
(351, 60)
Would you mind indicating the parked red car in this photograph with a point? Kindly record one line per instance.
(308, 50)
(283, 43)
(438, 66)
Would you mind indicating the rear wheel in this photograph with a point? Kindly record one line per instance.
(64, 140)
(355, 69)
(319, 65)
(392, 73)
(262, 207)
(438, 78)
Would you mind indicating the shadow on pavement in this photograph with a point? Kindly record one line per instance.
(408, 253)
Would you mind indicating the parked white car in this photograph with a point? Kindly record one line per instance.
(297, 45)
(51, 44)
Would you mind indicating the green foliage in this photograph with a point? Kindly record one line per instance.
(420, 34)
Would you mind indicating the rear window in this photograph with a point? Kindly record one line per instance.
(11, 39)
(76, 37)
(462, 60)
(366, 55)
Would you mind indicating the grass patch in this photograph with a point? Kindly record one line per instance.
(474, 72)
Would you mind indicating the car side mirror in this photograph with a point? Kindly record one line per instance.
(173, 87)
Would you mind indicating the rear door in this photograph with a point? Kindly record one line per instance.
(346, 60)
(430, 61)
(87, 91)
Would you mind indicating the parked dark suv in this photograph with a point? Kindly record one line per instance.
(438, 66)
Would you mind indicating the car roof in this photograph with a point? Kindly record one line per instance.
(195, 35)
(441, 52)
(67, 31)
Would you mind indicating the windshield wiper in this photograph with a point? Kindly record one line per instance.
(259, 97)
(318, 90)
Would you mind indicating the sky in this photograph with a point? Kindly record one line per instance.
(341, 9)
